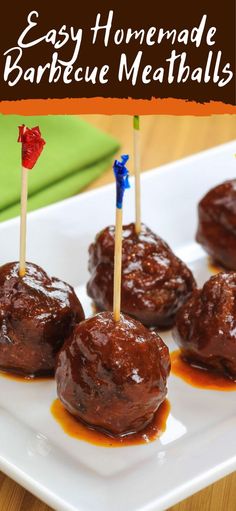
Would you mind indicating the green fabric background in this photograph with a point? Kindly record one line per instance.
(75, 154)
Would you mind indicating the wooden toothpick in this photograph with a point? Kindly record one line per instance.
(23, 219)
(117, 265)
(136, 126)
(121, 175)
(32, 146)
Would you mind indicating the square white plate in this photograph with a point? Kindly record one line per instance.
(199, 445)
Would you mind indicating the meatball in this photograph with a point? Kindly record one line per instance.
(155, 283)
(217, 223)
(112, 375)
(37, 314)
(206, 325)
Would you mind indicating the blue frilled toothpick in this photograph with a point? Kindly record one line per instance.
(136, 132)
(122, 182)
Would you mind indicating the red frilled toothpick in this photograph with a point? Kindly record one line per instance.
(32, 146)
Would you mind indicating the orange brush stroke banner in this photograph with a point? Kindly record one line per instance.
(113, 106)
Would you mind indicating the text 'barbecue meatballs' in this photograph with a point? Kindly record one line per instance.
(37, 314)
(206, 325)
(217, 223)
(112, 375)
(155, 283)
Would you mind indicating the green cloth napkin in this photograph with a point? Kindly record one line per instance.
(75, 154)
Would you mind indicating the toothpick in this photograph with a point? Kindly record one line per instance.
(117, 265)
(121, 175)
(32, 146)
(23, 218)
(136, 132)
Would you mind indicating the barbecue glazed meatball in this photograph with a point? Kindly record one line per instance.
(37, 314)
(155, 283)
(206, 325)
(217, 223)
(112, 375)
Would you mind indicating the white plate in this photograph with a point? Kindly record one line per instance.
(199, 445)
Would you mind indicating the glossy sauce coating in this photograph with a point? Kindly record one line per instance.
(199, 377)
(206, 325)
(37, 314)
(112, 375)
(76, 429)
(217, 224)
(213, 267)
(155, 283)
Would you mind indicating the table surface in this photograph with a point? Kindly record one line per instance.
(163, 139)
